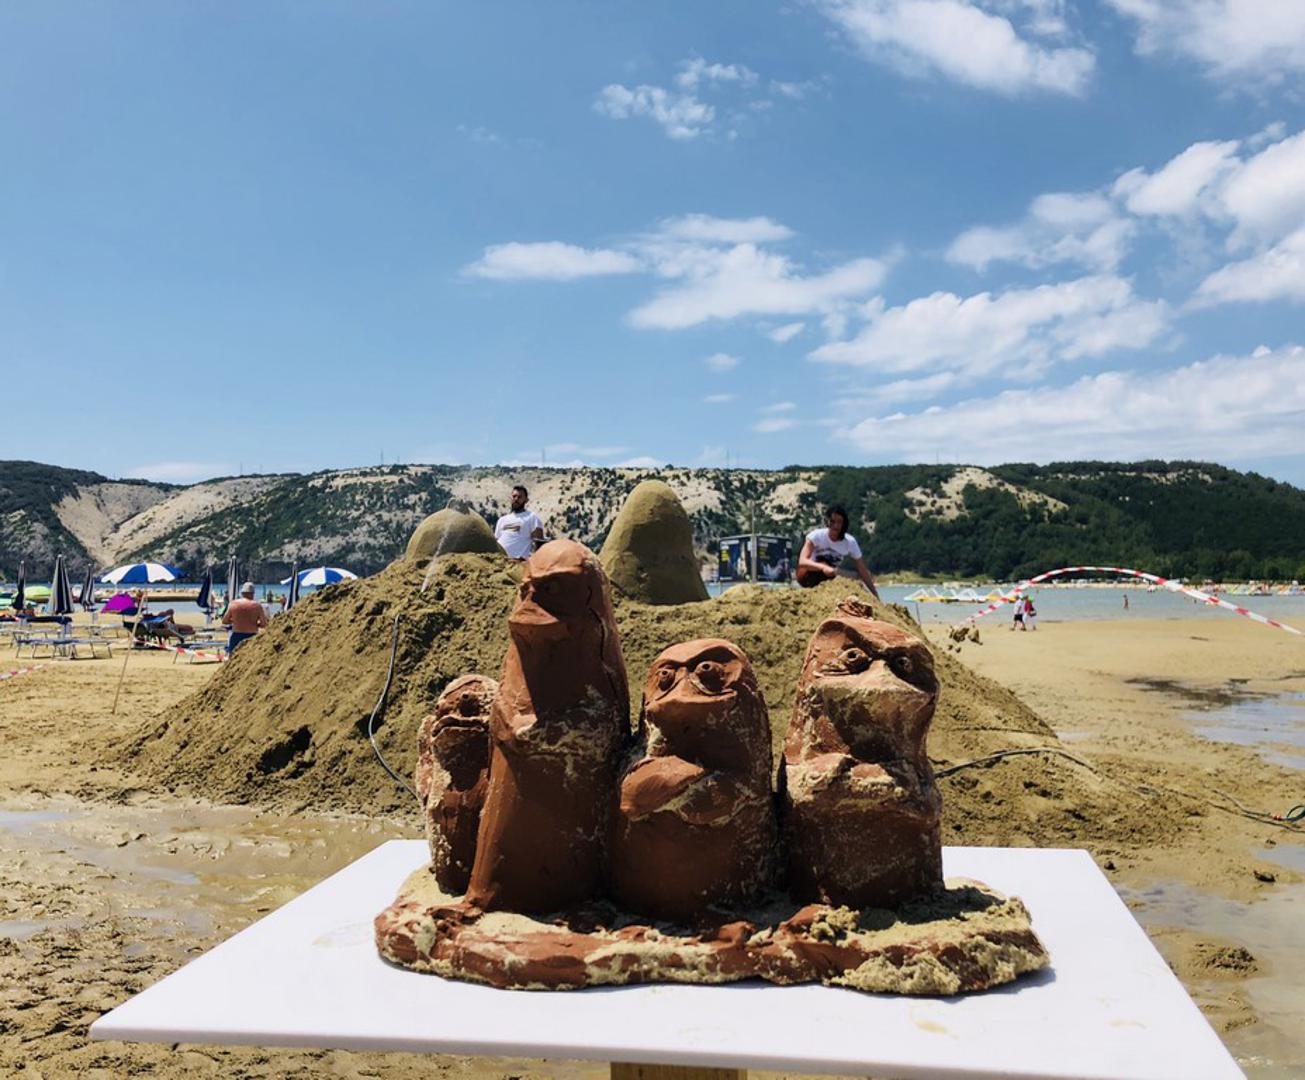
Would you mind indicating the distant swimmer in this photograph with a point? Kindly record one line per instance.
(825, 549)
(520, 531)
(246, 617)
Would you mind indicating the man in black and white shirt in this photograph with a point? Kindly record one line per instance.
(825, 549)
(519, 531)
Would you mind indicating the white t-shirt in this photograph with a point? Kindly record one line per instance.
(832, 552)
(513, 532)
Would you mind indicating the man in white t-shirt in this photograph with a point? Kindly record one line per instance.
(518, 532)
(825, 549)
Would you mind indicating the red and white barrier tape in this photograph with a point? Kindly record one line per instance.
(1172, 586)
(13, 673)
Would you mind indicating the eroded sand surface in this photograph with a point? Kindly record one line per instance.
(105, 887)
(1226, 907)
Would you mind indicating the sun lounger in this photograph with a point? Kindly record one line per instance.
(217, 647)
(63, 648)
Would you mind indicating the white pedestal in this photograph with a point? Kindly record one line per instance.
(308, 975)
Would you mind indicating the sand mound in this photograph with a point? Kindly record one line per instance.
(648, 554)
(450, 531)
(284, 722)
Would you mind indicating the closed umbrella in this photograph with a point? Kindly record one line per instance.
(20, 593)
(61, 598)
(204, 601)
(233, 579)
(142, 573)
(87, 596)
(292, 597)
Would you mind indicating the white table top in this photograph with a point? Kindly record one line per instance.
(309, 975)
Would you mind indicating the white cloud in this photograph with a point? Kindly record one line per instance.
(772, 424)
(1176, 188)
(1059, 227)
(777, 408)
(1226, 407)
(697, 70)
(1244, 42)
(702, 98)
(1275, 274)
(643, 461)
(969, 41)
(782, 334)
(721, 362)
(181, 472)
(549, 261)
(1266, 196)
(680, 115)
(482, 135)
(745, 280)
(1013, 333)
(719, 268)
(718, 399)
(704, 228)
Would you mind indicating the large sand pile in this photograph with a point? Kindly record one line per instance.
(284, 722)
(648, 554)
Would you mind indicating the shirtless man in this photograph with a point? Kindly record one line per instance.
(245, 616)
(825, 549)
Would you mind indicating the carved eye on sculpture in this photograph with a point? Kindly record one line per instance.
(850, 661)
(903, 666)
(665, 678)
(710, 676)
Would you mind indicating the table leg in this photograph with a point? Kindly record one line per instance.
(624, 1071)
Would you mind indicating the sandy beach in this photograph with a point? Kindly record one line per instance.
(109, 883)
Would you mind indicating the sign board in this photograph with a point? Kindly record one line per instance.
(774, 558)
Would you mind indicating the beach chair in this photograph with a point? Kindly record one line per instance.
(206, 645)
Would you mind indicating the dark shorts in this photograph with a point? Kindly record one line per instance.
(234, 640)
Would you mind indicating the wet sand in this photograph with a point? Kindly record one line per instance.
(1134, 697)
(107, 886)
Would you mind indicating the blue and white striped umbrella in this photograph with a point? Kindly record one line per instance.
(322, 575)
(141, 573)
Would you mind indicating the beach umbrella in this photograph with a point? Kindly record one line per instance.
(120, 604)
(87, 596)
(292, 597)
(233, 579)
(20, 593)
(322, 575)
(61, 597)
(141, 573)
(204, 601)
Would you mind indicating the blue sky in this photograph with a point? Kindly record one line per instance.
(305, 235)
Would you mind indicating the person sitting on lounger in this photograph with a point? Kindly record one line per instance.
(163, 624)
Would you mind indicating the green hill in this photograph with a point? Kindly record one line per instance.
(1175, 518)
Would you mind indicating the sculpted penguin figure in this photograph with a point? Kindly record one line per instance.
(862, 810)
(452, 768)
(696, 826)
(559, 724)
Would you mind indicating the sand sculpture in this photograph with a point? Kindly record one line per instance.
(648, 553)
(559, 722)
(451, 530)
(701, 786)
(452, 776)
(862, 811)
(606, 856)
